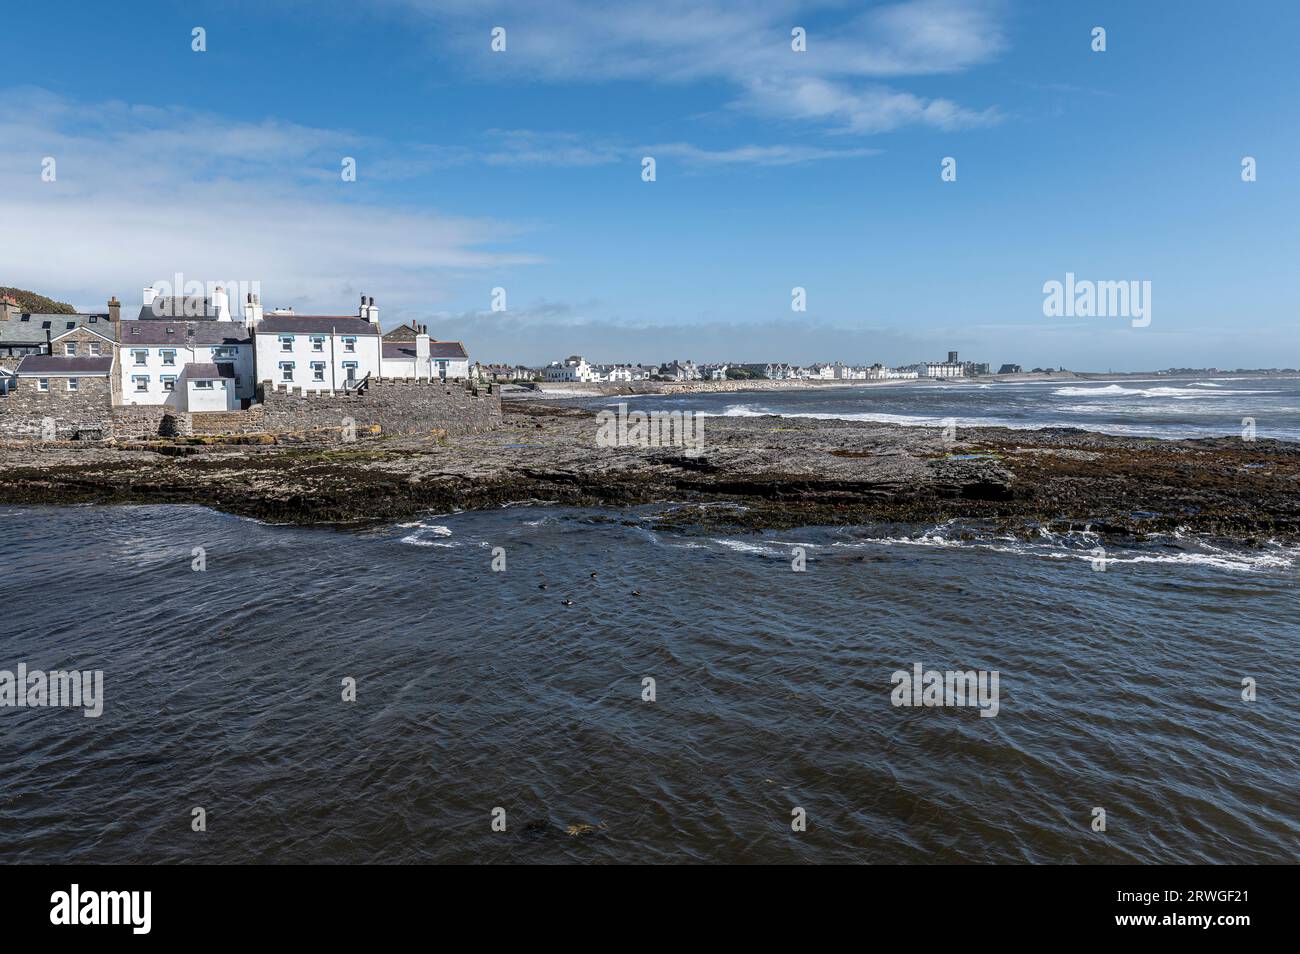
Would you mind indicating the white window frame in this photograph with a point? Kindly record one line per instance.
(286, 342)
(318, 343)
(286, 371)
(70, 349)
(168, 382)
(168, 357)
(74, 384)
(42, 384)
(203, 384)
(141, 382)
(140, 356)
(318, 370)
(350, 345)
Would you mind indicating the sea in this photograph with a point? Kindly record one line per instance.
(542, 684)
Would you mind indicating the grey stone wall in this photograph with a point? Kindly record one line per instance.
(388, 407)
(86, 413)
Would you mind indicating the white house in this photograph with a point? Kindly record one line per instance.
(940, 369)
(207, 387)
(573, 368)
(156, 352)
(316, 352)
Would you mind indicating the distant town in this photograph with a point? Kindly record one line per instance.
(576, 368)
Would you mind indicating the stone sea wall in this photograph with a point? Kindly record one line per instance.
(388, 407)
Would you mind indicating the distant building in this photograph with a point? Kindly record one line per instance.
(1010, 369)
(572, 368)
(680, 371)
(941, 369)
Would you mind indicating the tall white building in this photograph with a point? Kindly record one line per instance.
(316, 352)
(159, 348)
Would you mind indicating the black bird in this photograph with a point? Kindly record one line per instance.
(636, 592)
(541, 586)
(568, 602)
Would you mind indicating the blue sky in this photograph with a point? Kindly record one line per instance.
(775, 169)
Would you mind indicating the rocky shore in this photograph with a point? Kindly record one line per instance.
(783, 473)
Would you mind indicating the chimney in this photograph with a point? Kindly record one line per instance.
(372, 313)
(422, 366)
(221, 303)
(114, 309)
(49, 342)
(9, 308)
(252, 310)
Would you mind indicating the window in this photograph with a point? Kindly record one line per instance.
(71, 325)
(286, 342)
(72, 384)
(42, 384)
(223, 352)
(168, 382)
(141, 356)
(27, 317)
(70, 349)
(317, 343)
(141, 382)
(203, 385)
(349, 344)
(169, 357)
(286, 370)
(94, 348)
(45, 325)
(318, 370)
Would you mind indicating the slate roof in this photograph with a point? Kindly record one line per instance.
(315, 324)
(29, 327)
(405, 350)
(447, 349)
(58, 364)
(207, 369)
(178, 307)
(166, 331)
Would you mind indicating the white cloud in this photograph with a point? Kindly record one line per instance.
(143, 192)
(745, 43)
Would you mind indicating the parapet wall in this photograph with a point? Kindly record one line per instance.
(388, 407)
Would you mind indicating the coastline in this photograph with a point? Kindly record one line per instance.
(784, 472)
(559, 390)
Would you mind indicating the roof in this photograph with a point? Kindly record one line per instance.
(405, 350)
(42, 364)
(316, 324)
(207, 369)
(162, 332)
(173, 306)
(30, 327)
(447, 349)
(399, 350)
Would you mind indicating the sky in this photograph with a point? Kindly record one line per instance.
(775, 169)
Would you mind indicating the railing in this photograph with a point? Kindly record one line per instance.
(358, 385)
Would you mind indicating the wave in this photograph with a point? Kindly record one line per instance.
(1118, 389)
(1080, 545)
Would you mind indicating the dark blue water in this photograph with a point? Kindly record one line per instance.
(1155, 407)
(478, 689)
